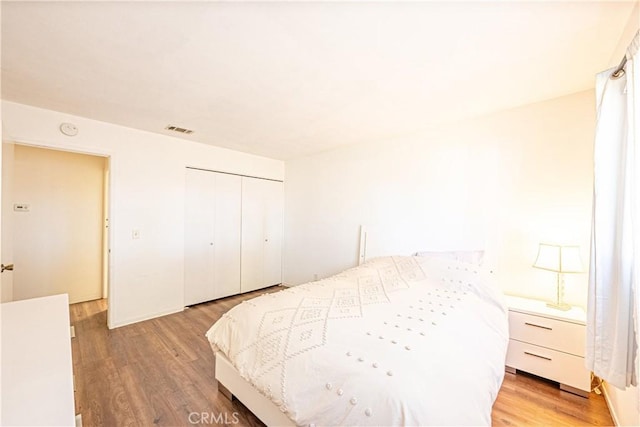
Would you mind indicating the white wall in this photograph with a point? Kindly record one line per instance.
(6, 246)
(623, 405)
(503, 182)
(58, 243)
(6, 286)
(147, 193)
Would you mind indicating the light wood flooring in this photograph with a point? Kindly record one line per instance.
(160, 371)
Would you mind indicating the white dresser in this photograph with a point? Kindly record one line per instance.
(548, 343)
(37, 371)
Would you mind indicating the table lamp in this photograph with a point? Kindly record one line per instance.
(559, 259)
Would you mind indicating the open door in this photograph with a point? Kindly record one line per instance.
(54, 200)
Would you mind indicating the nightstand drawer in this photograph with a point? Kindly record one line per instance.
(550, 333)
(554, 365)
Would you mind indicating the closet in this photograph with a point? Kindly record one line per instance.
(233, 234)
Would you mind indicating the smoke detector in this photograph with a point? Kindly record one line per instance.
(69, 129)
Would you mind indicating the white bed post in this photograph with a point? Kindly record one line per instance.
(362, 257)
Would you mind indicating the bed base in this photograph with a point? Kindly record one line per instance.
(231, 385)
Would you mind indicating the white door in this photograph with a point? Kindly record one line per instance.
(262, 222)
(57, 223)
(226, 240)
(212, 236)
(199, 236)
(274, 223)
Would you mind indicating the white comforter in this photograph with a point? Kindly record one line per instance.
(396, 341)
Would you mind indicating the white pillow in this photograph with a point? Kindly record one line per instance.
(471, 257)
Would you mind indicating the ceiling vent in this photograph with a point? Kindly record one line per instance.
(179, 129)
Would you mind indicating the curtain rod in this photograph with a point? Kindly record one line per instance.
(619, 72)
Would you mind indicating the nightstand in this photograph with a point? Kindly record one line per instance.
(548, 343)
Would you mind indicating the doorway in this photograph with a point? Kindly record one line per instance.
(55, 223)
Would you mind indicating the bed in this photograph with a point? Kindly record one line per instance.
(395, 341)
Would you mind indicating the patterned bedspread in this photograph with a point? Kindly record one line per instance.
(396, 341)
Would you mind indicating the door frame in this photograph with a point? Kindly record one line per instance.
(110, 166)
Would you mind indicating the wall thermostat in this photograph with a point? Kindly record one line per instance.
(69, 129)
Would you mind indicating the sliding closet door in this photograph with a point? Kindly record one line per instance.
(227, 229)
(212, 236)
(273, 230)
(199, 235)
(262, 222)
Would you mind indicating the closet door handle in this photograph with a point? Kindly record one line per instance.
(537, 355)
(4, 268)
(538, 326)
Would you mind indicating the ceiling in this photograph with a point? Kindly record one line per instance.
(289, 79)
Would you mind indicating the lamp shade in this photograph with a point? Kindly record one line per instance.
(557, 258)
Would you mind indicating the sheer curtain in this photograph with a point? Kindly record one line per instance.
(614, 273)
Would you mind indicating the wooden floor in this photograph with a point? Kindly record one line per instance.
(160, 372)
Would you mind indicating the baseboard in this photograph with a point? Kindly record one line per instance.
(286, 285)
(612, 411)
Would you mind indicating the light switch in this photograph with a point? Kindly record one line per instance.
(21, 207)
(135, 234)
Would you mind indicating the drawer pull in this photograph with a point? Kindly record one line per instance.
(537, 355)
(538, 326)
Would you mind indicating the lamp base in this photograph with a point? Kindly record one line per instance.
(562, 306)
